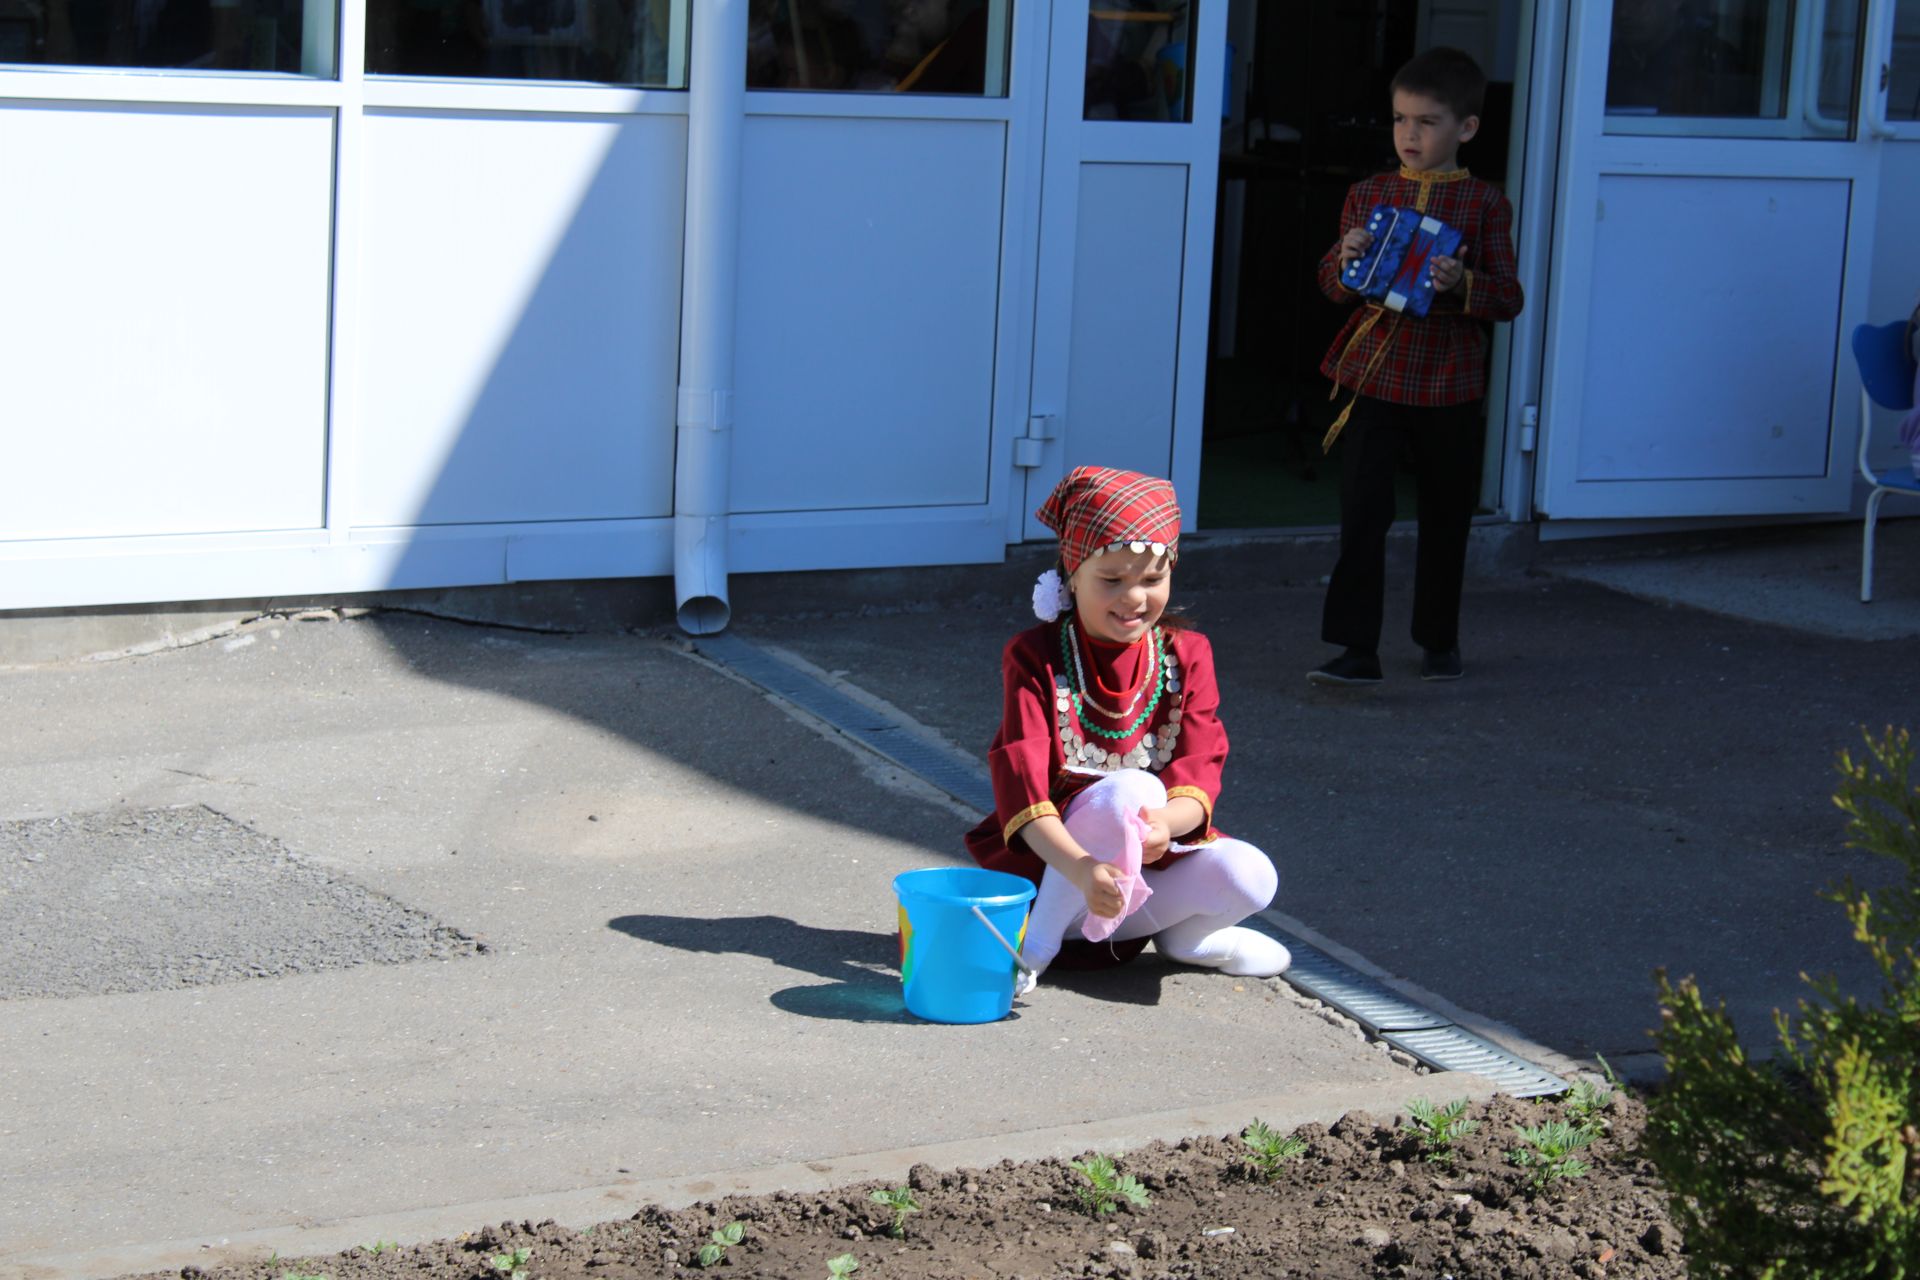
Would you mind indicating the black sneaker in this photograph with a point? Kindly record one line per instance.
(1441, 664)
(1355, 666)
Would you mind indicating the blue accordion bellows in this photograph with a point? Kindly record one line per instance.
(1397, 268)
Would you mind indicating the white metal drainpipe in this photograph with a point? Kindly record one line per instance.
(716, 111)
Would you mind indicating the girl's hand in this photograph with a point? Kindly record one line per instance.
(1355, 243)
(1099, 883)
(1447, 273)
(1153, 845)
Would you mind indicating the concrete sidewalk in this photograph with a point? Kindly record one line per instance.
(683, 889)
(688, 987)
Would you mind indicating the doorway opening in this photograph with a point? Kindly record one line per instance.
(1307, 116)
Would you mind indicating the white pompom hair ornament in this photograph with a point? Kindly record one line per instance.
(1050, 596)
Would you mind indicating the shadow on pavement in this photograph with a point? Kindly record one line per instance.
(864, 986)
(846, 955)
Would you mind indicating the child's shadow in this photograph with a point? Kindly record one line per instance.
(863, 981)
(862, 968)
(1136, 982)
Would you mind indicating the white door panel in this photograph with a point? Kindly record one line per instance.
(1126, 244)
(1125, 345)
(869, 278)
(1712, 250)
(1753, 396)
(163, 319)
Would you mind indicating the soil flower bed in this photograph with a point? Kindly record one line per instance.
(1360, 1199)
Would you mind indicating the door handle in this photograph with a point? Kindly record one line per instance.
(1878, 69)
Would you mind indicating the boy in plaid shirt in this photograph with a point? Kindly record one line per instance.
(1416, 382)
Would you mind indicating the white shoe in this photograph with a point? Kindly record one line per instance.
(1256, 955)
(1242, 952)
(1024, 980)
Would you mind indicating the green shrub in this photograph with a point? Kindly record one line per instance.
(1810, 1166)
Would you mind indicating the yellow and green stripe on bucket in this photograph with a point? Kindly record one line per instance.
(906, 942)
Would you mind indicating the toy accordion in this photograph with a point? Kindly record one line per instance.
(1397, 268)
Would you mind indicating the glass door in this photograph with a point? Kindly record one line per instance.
(1126, 240)
(1715, 214)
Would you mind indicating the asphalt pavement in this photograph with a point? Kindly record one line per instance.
(680, 979)
(670, 891)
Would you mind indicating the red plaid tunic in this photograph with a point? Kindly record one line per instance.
(1439, 358)
(1029, 765)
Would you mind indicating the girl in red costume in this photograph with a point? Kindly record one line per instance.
(1107, 764)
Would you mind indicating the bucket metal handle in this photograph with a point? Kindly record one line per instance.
(1001, 938)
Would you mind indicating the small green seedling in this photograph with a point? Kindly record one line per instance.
(725, 1238)
(379, 1247)
(1270, 1150)
(513, 1265)
(1585, 1104)
(1438, 1128)
(295, 1275)
(1549, 1155)
(900, 1200)
(1107, 1186)
(844, 1265)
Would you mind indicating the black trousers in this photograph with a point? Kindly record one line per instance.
(1444, 446)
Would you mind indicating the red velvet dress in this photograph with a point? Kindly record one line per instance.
(1029, 760)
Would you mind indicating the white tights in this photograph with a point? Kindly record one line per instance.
(1195, 901)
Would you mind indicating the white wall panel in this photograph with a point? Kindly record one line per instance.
(1125, 347)
(1715, 310)
(869, 277)
(163, 322)
(520, 335)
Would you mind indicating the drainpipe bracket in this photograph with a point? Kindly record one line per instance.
(704, 407)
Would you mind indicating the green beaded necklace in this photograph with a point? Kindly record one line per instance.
(1069, 652)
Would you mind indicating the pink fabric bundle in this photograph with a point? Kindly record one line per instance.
(1106, 822)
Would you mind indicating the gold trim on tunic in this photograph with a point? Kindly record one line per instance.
(1045, 809)
(1195, 793)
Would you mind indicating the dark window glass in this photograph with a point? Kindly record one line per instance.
(627, 42)
(1137, 60)
(1694, 58)
(1795, 62)
(209, 35)
(879, 46)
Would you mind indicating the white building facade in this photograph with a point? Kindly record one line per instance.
(325, 296)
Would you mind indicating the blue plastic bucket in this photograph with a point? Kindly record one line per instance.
(952, 968)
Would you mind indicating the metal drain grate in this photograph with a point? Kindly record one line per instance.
(1448, 1048)
(1360, 997)
(1385, 1013)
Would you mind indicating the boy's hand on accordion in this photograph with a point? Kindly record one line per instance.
(1354, 243)
(1447, 273)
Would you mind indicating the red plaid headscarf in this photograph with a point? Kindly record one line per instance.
(1097, 509)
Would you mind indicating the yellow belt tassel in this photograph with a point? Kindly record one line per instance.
(1366, 326)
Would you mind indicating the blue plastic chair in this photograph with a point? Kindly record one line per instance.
(1886, 379)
